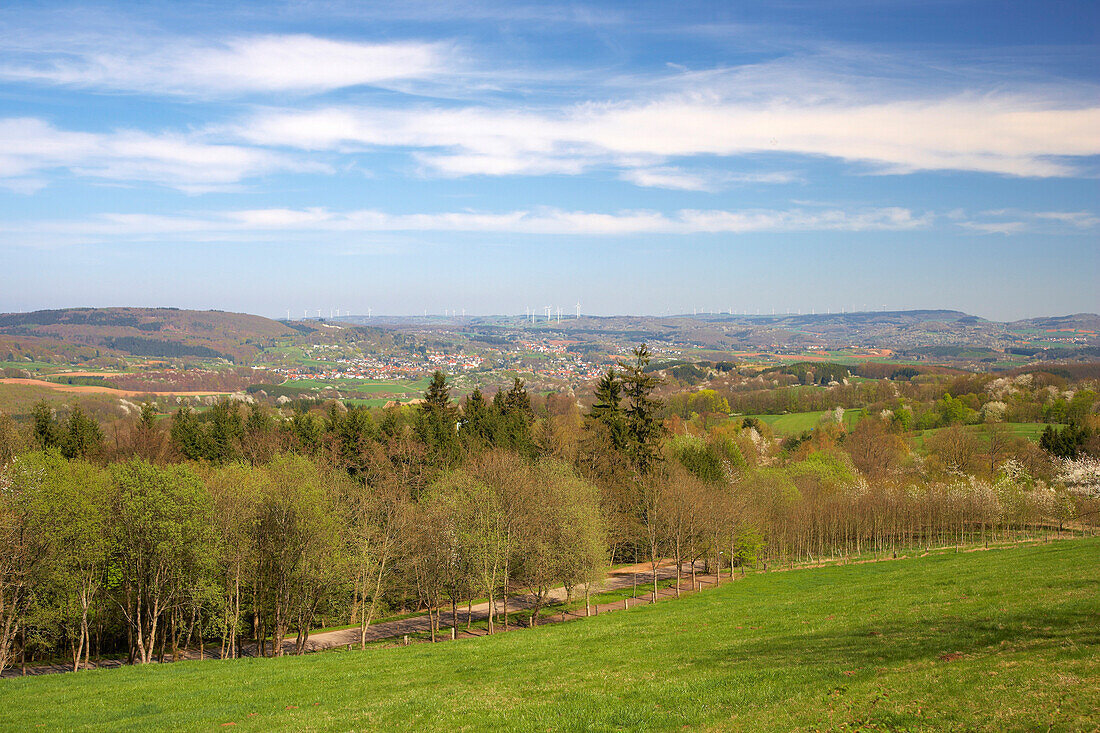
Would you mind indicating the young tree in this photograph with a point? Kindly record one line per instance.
(163, 544)
(682, 498)
(299, 547)
(236, 492)
(380, 517)
(12, 442)
(25, 548)
(450, 525)
(76, 522)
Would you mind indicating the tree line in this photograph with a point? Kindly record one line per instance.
(245, 528)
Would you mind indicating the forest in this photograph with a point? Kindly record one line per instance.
(242, 528)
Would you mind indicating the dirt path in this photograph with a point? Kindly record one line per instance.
(616, 580)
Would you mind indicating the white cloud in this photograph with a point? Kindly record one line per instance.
(707, 180)
(1003, 135)
(30, 147)
(995, 227)
(1079, 219)
(674, 178)
(1015, 221)
(295, 223)
(272, 63)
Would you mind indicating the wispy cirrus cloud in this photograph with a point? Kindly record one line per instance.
(1008, 135)
(31, 150)
(232, 66)
(311, 222)
(1016, 221)
(671, 177)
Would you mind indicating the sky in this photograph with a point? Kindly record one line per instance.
(624, 157)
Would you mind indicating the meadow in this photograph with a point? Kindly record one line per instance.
(1030, 430)
(796, 422)
(1004, 639)
(367, 386)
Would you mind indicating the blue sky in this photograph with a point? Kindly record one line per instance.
(633, 157)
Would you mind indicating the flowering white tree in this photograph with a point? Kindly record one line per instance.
(1081, 476)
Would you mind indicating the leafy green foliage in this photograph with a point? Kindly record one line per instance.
(988, 641)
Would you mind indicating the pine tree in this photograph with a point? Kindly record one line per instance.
(517, 400)
(187, 434)
(608, 408)
(438, 421)
(83, 436)
(642, 428)
(476, 426)
(438, 395)
(47, 433)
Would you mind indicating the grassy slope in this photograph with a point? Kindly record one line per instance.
(872, 644)
(796, 422)
(1030, 430)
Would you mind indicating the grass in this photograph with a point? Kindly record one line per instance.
(29, 365)
(364, 386)
(1030, 430)
(795, 422)
(997, 640)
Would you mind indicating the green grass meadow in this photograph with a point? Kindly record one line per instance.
(795, 422)
(1029, 430)
(1006, 639)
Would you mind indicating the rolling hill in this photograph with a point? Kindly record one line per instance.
(151, 332)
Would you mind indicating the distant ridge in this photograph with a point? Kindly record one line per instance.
(153, 332)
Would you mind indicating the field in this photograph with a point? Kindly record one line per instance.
(796, 422)
(366, 386)
(995, 640)
(93, 389)
(1030, 430)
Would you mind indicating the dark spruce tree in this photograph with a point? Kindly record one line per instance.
(608, 408)
(437, 422)
(643, 431)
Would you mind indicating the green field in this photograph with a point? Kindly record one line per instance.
(31, 366)
(1030, 430)
(795, 422)
(367, 386)
(999, 640)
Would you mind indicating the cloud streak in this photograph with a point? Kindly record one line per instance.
(240, 65)
(291, 223)
(1008, 135)
(31, 148)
